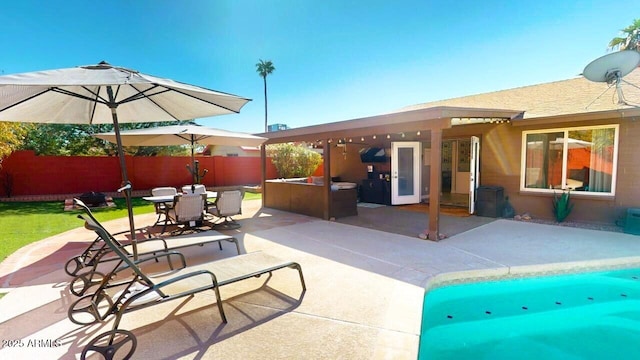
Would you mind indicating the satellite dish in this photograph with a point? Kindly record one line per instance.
(612, 67)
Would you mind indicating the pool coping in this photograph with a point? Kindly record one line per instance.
(524, 271)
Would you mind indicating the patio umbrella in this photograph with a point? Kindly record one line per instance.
(101, 94)
(181, 135)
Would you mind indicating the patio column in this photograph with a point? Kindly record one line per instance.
(434, 185)
(326, 172)
(263, 171)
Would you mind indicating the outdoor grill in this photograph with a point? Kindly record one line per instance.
(93, 199)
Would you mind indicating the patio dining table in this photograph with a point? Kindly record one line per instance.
(168, 200)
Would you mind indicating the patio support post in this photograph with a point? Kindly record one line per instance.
(326, 171)
(263, 171)
(433, 232)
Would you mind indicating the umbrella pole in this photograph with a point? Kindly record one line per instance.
(126, 184)
(194, 168)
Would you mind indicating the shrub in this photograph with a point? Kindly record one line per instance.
(293, 160)
(562, 205)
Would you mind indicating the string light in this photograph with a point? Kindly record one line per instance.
(388, 136)
(374, 137)
(418, 133)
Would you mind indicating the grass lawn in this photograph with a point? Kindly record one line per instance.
(22, 223)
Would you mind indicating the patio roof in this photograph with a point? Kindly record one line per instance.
(439, 117)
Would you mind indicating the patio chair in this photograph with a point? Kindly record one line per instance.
(84, 267)
(145, 290)
(188, 210)
(227, 204)
(162, 208)
(194, 189)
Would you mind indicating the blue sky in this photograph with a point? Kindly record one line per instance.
(334, 60)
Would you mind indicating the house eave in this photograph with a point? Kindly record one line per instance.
(587, 116)
(421, 119)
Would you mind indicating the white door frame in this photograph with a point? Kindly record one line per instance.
(474, 176)
(396, 173)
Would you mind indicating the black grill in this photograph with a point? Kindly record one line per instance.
(93, 199)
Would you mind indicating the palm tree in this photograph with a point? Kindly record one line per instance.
(265, 68)
(631, 41)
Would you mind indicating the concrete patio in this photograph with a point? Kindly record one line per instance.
(363, 300)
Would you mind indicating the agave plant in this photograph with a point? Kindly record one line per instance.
(562, 205)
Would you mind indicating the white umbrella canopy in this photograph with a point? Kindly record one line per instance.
(181, 135)
(101, 94)
(81, 95)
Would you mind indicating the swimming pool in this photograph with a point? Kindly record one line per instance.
(594, 315)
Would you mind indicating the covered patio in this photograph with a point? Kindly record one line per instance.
(423, 125)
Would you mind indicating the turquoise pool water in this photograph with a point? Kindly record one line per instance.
(582, 316)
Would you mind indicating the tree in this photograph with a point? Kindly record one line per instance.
(11, 137)
(265, 68)
(63, 139)
(631, 39)
(74, 139)
(293, 160)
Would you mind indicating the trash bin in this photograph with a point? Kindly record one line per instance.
(632, 221)
(490, 201)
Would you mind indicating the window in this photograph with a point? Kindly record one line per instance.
(577, 159)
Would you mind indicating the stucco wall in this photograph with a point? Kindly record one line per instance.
(501, 147)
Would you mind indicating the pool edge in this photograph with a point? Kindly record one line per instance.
(521, 271)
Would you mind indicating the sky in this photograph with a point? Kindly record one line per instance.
(334, 60)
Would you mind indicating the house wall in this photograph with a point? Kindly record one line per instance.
(225, 150)
(500, 164)
(346, 164)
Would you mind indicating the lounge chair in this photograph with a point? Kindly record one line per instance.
(227, 204)
(144, 290)
(84, 266)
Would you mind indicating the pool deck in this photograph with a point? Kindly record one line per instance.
(363, 299)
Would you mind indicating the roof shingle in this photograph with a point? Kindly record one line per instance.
(572, 96)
